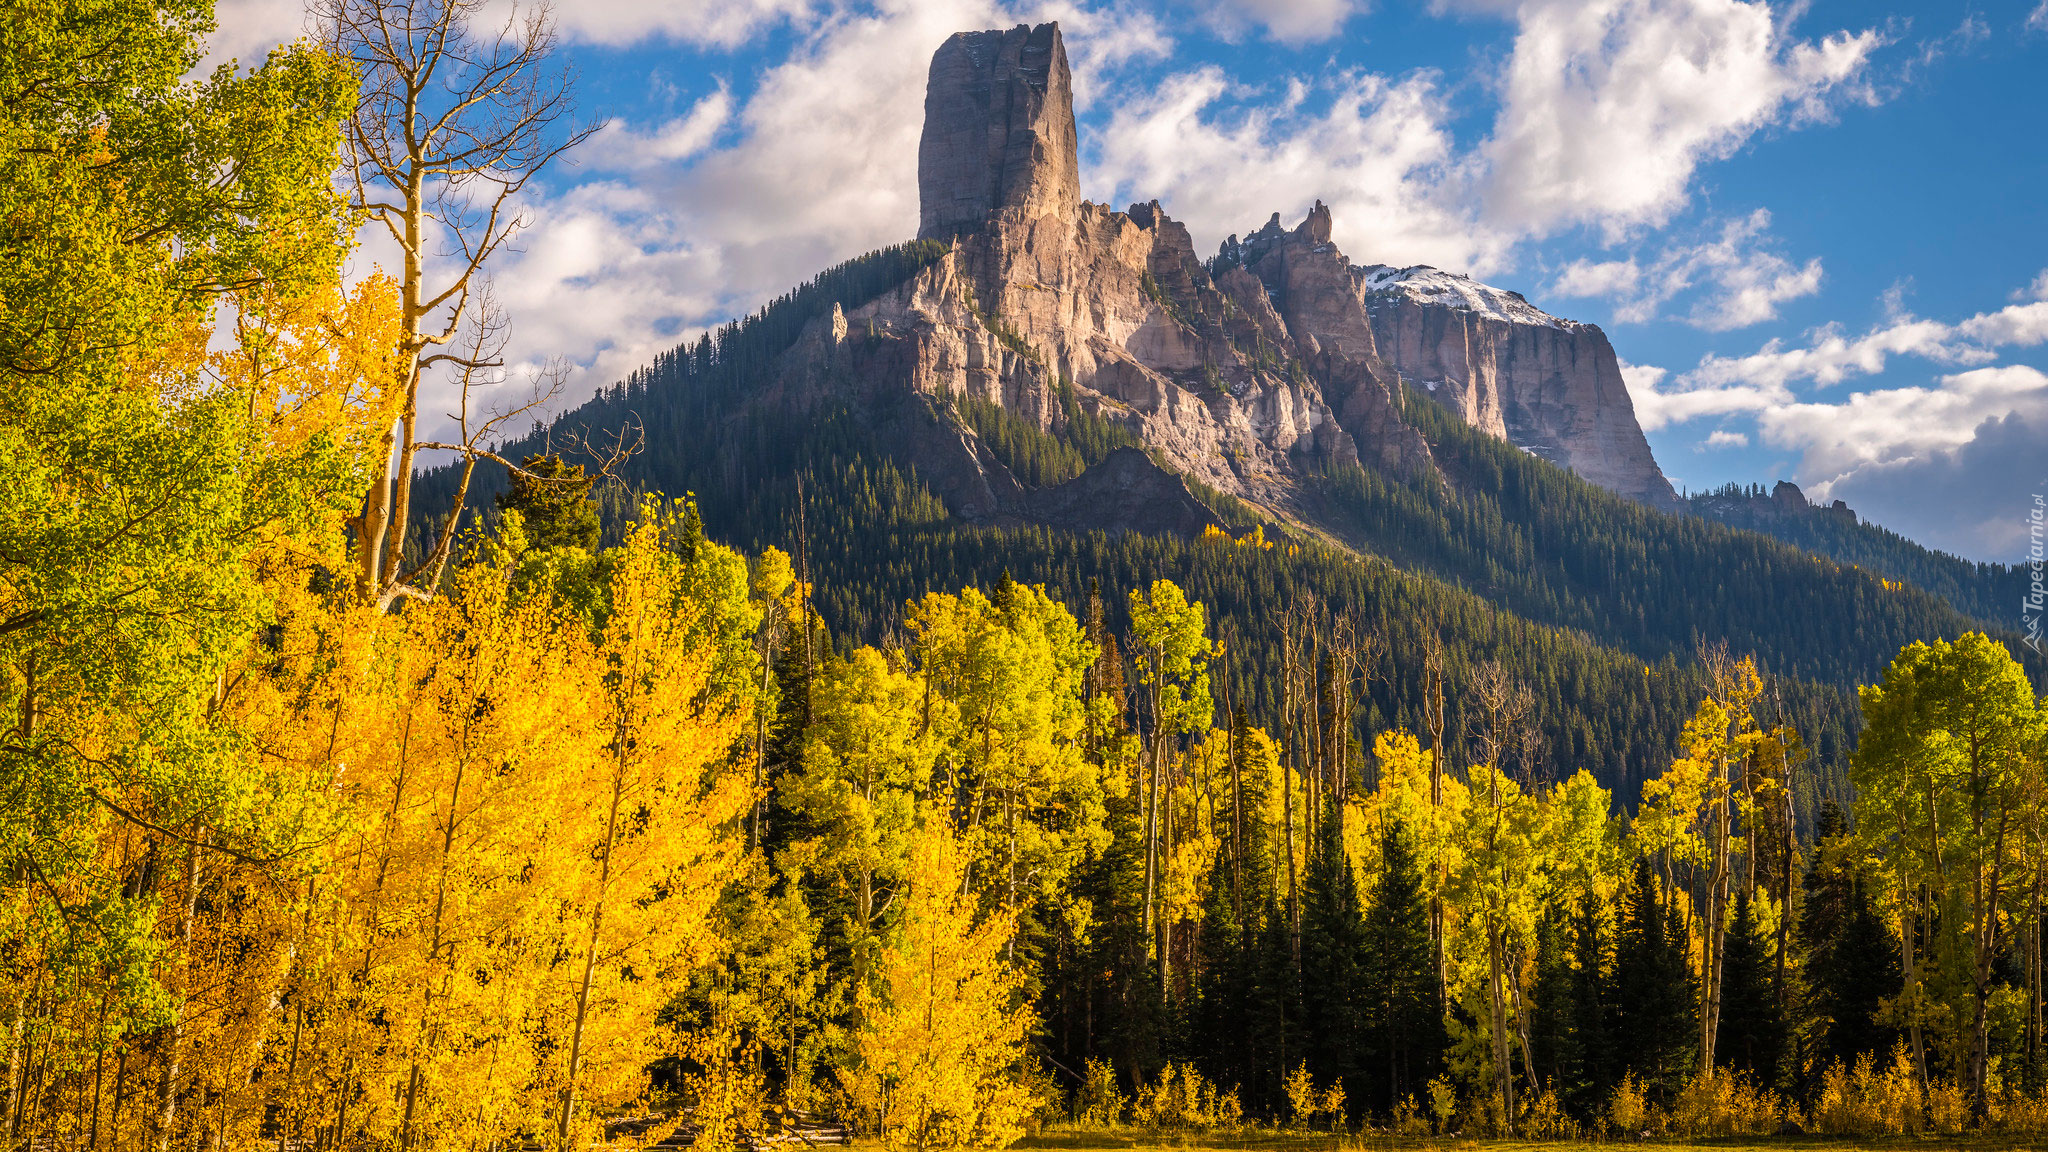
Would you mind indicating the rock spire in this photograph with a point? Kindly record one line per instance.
(998, 131)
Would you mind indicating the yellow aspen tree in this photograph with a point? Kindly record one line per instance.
(454, 763)
(658, 833)
(942, 1022)
(1006, 678)
(867, 759)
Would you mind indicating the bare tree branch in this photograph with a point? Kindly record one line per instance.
(453, 119)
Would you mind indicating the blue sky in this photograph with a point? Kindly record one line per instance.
(1815, 233)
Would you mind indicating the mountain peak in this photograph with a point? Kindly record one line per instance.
(998, 131)
(1426, 285)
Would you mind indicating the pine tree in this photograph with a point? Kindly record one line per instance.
(1852, 959)
(553, 499)
(1569, 1028)
(1553, 1039)
(1752, 1030)
(1277, 1022)
(1593, 1010)
(1653, 992)
(1332, 960)
(1403, 1025)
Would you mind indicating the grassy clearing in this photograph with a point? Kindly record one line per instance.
(1265, 1140)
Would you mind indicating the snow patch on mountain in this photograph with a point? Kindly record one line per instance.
(1426, 285)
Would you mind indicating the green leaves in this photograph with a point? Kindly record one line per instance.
(144, 497)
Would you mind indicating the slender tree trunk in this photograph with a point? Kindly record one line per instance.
(611, 831)
(174, 1036)
(1503, 1068)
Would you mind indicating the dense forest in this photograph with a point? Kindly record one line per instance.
(334, 822)
(1988, 592)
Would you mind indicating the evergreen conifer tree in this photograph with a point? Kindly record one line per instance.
(1654, 998)
(1569, 1021)
(1553, 1011)
(1852, 961)
(1333, 947)
(1752, 1034)
(1403, 1025)
(1593, 1012)
(554, 499)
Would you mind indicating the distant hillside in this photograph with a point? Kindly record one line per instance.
(1987, 592)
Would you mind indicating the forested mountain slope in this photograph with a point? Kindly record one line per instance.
(1988, 592)
(1048, 387)
(1593, 599)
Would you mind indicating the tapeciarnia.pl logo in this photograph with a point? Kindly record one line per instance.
(2037, 566)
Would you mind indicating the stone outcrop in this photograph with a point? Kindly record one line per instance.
(1753, 508)
(1127, 492)
(1249, 373)
(998, 131)
(1547, 385)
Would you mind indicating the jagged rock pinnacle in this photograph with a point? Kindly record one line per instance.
(998, 131)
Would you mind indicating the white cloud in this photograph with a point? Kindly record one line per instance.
(1288, 21)
(1722, 438)
(1902, 423)
(246, 30)
(1762, 381)
(1973, 499)
(1833, 357)
(1376, 150)
(1608, 107)
(1746, 281)
(2037, 20)
(620, 148)
(710, 23)
(1607, 111)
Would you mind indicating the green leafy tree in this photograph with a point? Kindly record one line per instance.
(553, 499)
(150, 488)
(1949, 759)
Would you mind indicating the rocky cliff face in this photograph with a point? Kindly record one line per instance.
(1550, 386)
(998, 131)
(1246, 373)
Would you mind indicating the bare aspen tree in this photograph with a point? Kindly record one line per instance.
(454, 118)
(1433, 719)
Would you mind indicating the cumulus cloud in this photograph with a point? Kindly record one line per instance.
(1833, 356)
(1903, 423)
(1938, 459)
(246, 30)
(1288, 21)
(1948, 464)
(1608, 107)
(1744, 278)
(710, 23)
(1972, 500)
(1607, 110)
(1376, 150)
(1722, 438)
(621, 147)
(1922, 419)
